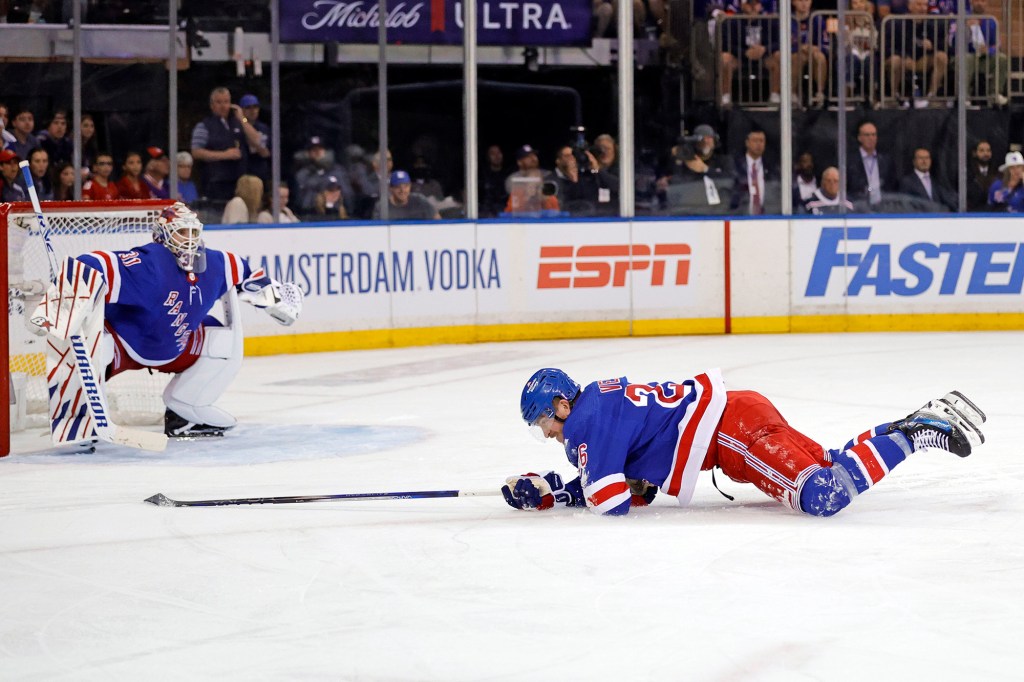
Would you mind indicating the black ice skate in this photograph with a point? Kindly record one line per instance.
(949, 423)
(178, 427)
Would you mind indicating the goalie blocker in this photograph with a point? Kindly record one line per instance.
(150, 308)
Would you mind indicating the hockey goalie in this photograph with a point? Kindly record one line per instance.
(150, 308)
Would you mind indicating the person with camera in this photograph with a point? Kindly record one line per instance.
(694, 178)
(576, 175)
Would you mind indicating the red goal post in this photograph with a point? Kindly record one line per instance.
(75, 228)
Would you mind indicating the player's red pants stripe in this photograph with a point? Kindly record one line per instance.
(608, 492)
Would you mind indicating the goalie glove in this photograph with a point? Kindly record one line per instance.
(283, 302)
(68, 303)
(534, 492)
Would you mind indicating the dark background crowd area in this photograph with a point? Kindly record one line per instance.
(518, 105)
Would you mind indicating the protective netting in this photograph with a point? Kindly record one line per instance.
(133, 397)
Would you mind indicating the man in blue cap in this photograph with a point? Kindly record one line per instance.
(258, 163)
(403, 203)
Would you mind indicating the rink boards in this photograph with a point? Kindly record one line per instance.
(371, 286)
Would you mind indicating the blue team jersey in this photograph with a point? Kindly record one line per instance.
(154, 306)
(657, 432)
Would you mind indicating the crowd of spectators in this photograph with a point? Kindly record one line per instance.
(906, 61)
(230, 151)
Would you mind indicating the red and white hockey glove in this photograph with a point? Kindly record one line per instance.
(534, 492)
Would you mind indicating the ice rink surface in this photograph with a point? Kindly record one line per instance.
(921, 578)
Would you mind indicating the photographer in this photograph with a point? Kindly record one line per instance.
(694, 180)
(584, 187)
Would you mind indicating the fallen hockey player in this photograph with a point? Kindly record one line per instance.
(149, 308)
(629, 440)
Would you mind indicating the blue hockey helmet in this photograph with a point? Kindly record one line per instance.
(544, 387)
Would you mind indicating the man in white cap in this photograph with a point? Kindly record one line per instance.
(1007, 193)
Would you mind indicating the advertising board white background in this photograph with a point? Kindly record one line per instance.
(451, 274)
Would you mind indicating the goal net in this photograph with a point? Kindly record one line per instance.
(75, 228)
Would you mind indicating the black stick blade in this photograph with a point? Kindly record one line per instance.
(161, 500)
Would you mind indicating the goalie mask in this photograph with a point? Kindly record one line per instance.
(179, 230)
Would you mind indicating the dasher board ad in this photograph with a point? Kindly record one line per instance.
(446, 274)
(942, 265)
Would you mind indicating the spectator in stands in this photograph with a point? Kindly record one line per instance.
(155, 173)
(579, 188)
(219, 142)
(258, 158)
(423, 180)
(751, 176)
(365, 184)
(63, 179)
(244, 207)
(330, 201)
(752, 44)
(403, 204)
(99, 186)
(808, 54)
(55, 139)
(887, 7)
(918, 46)
(493, 195)
(1007, 193)
(39, 166)
(606, 151)
(986, 65)
(23, 122)
(825, 199)
(131, 186)
(869, 174)
(862, 45)
(528, 163)
(311, 177)
(187, 191)
(805, 182)
(10, 187)
(267, 213)
(981, 173)
(90, 145)
(921, 183)
(6, 136)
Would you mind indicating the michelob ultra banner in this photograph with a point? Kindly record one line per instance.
(437, 22)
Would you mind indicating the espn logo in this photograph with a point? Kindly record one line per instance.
(562, 267)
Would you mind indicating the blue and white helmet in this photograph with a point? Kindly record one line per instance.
(544, 387)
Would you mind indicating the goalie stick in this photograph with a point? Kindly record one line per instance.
(162, 500)
(105, 428)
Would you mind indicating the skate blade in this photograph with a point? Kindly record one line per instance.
(961, 402)
(958, 419)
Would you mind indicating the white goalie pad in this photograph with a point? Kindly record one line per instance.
(69, 415)
(70, 301)
(192, 393)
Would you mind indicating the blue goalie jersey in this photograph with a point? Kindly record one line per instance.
(656, 432)
(152, 305)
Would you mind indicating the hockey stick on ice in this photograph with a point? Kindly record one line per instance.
(105, 428)
(162, 500)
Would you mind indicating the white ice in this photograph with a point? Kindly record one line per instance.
(921, 578)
